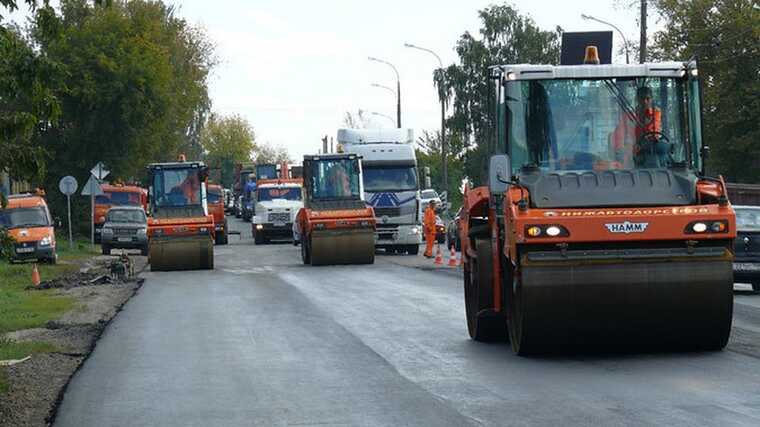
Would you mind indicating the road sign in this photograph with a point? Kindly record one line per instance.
(92, 188)
(68, 185)
(100, 171)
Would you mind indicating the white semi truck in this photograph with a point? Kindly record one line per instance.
(391, 185)
(277, 204)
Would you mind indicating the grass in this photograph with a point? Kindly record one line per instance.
(24, 309)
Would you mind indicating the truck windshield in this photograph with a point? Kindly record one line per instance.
(335, 179)
(597, 124)
(24, 217)
(177, 187)
(214, 196)
(126, 215)
(266, 172)
(390, 178)
(118, 198)
(290, 193)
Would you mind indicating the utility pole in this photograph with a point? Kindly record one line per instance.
(643, 40)
(444, 144)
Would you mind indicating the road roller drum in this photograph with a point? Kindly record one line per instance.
(181, 253)
(350, 246)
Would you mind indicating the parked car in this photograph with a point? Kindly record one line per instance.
(425, 197)
(27, 220)
(747, 246)
(126, 227)
(238, 207)
(452, 233)
(440, 230)
(229, 201)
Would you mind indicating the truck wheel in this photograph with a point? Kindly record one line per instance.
(483, 323)
(258, 237)
(305, 255)
(756, 287)
(106, 249)
(144, 250)
(54, 259)
(413, 249)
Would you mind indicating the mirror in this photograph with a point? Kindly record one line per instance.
(498, 173)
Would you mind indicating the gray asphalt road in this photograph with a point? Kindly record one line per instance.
(264, 340)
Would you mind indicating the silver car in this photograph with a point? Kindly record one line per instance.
(126, 227)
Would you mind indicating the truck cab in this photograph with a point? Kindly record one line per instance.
(117, 195)
(277, 204)
(28, 221)
(391, 185)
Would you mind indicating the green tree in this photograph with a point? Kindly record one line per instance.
(724, 36)
(227, 140)
(269, 153)
(133, 86)
(506, 37)
(428, 153)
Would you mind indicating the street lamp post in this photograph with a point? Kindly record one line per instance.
(398, 88)
(444, 144)
(625, 41)
(389, 89)
(375, 113)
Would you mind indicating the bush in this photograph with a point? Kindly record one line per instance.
(6, 244)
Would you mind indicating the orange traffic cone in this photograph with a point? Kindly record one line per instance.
(453, 258)
(35, 275)
(438, 256)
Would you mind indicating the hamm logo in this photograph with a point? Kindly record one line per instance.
(627, 227)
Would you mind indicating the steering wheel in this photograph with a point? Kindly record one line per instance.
(654, 144)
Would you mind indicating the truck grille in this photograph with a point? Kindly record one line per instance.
(280, 217)
(380, 212)
(125, 231)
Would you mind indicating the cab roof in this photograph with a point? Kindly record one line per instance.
(25, 201)
(122, 188)
(600, 71)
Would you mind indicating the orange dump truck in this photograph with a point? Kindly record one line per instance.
(216, 209)
(117, 195)
(28, 221)
(598, 228)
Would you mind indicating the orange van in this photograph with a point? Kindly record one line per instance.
(215, 199)
(28, 221)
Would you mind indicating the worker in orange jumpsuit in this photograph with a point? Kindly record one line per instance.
(627, 138)
(428, 224)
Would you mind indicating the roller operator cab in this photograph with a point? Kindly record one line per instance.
(277, 204)
(335, 226)
(391, 185)
(598, 227)
(27, 220)
(180, 229)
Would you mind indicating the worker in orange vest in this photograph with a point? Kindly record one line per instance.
(428, 224)
(636, 133)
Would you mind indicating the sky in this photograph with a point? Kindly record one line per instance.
(294, 68)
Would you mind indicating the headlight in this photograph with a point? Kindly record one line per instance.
(547, 230)
(699, 227)
(259, 226)
(107, 230)
(415, 230)
(46, 241)
(142, 231)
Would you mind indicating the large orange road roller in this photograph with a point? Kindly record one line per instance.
(598, 228)
(335, 226)
(180, 228)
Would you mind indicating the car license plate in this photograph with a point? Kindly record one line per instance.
(124, 239)
(24, 250)
(747, 266)
(279, 224)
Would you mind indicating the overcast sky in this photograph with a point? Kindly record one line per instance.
(293, 68)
